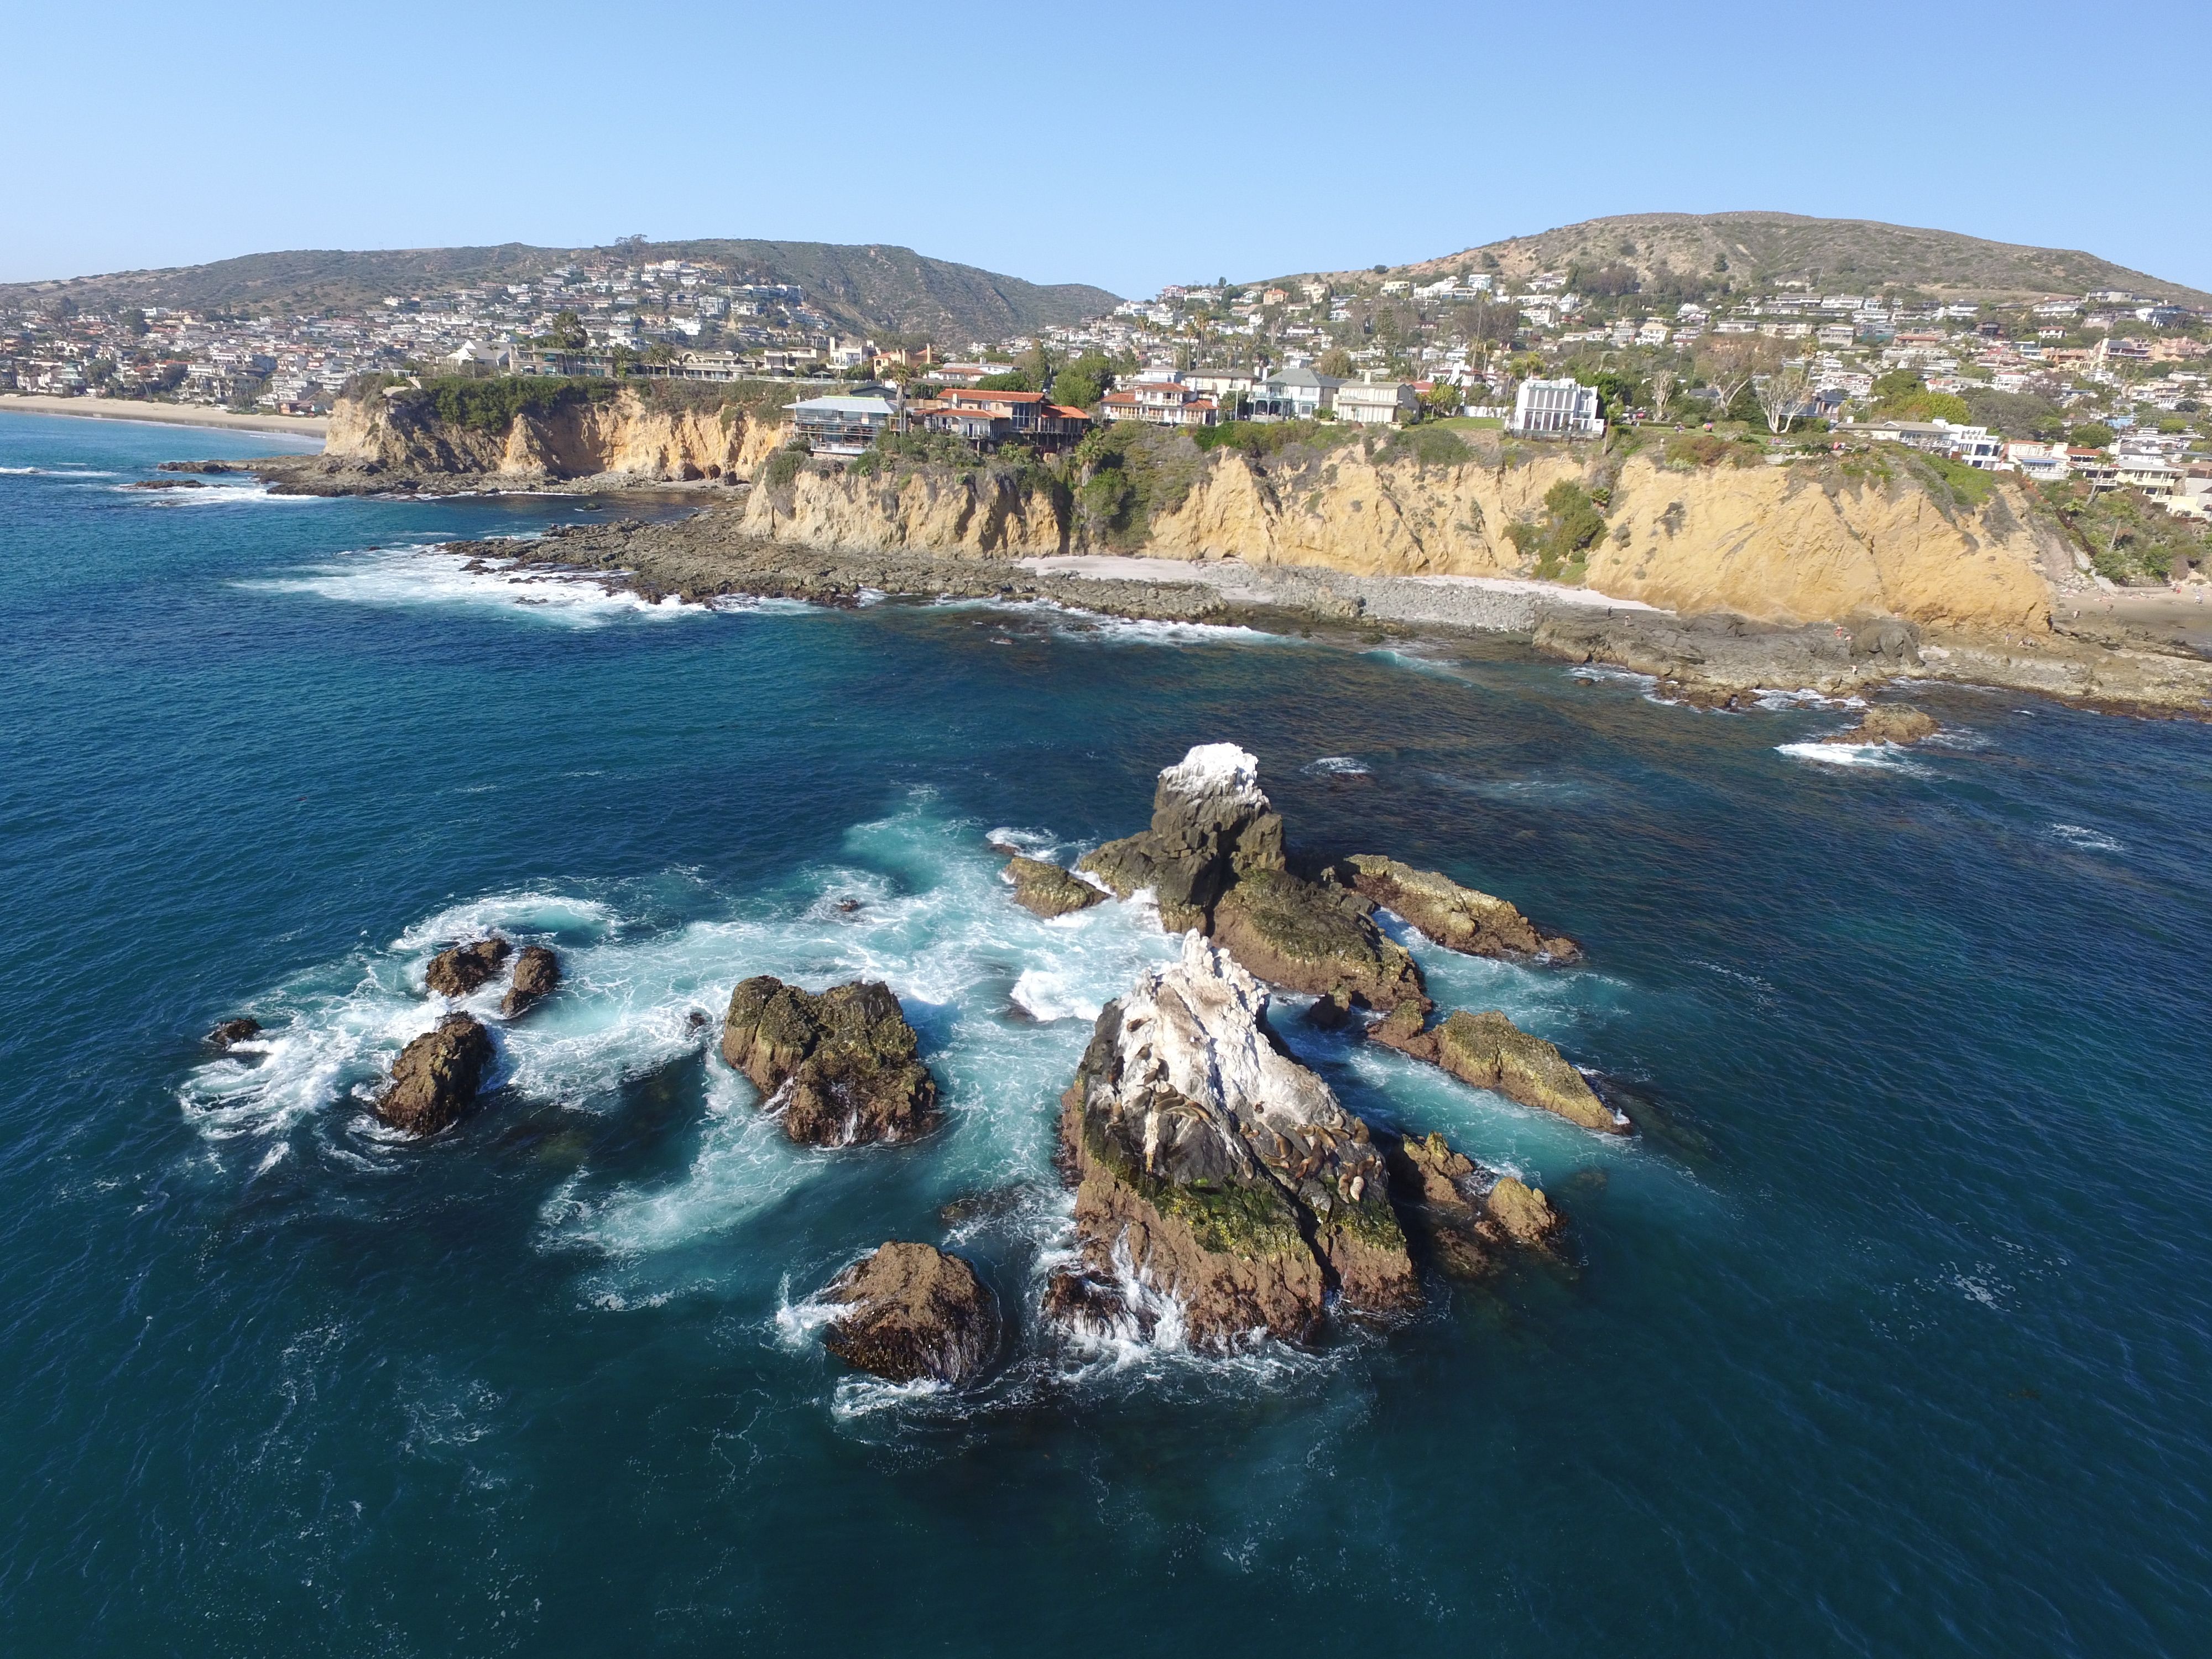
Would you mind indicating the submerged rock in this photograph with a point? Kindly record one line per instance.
(915, 1312)
(537, 972)
(840, 1065)
(240, 1030)
(436, 1076)
(1889, 723)
(1460, 918)
(1209, 824)
(1219, 1170)
(1490, 1052)
(1322, 939)
(467, 968)
(1046, 889)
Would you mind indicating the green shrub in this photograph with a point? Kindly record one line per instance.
(1429, 446)
(781, 468)
(491, 405)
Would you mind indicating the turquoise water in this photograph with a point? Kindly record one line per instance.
(1889, 1337)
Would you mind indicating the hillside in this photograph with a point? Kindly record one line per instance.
(872, 288)
(1849, 254)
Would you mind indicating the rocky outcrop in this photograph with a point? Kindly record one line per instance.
(1489, 1051)
(1046, 889)
(436, 1076)
(1320, 939)
(241, 1030)
(1460, 918)
(1211, 825)
(914, 1312)
(397, 436)
(1523, 1211)
(1889, 723)
(988, 511)
(1459, 1215)
(465, 968)
(537, 972)
(1217, 1171)
(839, 1066)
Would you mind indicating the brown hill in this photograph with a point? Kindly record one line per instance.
(1854, 255)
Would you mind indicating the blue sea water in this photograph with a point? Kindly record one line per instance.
(1888, 1335)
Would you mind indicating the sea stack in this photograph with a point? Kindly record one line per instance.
(1220, 1170)
(841, 1065)
(914, 1312)
(436, 1076)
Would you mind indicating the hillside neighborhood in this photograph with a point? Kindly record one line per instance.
(2083, 394)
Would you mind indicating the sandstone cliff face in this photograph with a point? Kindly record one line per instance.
(941, 512)
(622, 436)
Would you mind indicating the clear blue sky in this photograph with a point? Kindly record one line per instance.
(1127, 145)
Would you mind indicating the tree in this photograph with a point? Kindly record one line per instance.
(1729, 362)
(1897, 385)
(1012, 380)
(1336, 362)
(1781, 396)
(1663, 392)
(2092, 435)
(1033, 364)
(1080, 384)
(567, 333)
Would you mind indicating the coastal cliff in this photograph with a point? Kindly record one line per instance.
(1792, 544)
(579, 438)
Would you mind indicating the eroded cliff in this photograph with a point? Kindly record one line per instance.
(623, 433)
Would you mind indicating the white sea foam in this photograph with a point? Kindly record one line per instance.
(1346, 766)
(408, 577)
(1068, 622)
(1877, 756)
(2088, 840)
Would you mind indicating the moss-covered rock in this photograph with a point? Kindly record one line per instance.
(1490, 1052)
(1322, 939)
(841, 1065)
(1459, 918)
(1046, 889)
(912, 1311)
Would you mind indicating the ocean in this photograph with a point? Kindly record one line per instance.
(1887, 1335)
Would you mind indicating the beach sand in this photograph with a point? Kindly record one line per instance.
(128, 408)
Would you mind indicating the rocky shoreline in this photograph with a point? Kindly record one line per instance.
(1719, 660)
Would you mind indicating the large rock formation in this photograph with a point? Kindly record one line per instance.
(463, 969)
(1046, 889)
(537, 972)
(1308, 937)
(1490, 1052)
(436, 1076)
(841, 1065)
(1211, 824)
(1220, 1171)
(915, 1312)
(1459, 918)
(243, 1028)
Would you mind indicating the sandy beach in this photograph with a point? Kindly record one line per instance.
(127, 409)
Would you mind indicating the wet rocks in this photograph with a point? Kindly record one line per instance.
(1889, 723)
(1305, 936)
(840, 1065)
(436, 1076)
(537, 972)
(241, 1030)
(166, 484)
(1489, 1051)
(1459, 918)
(1437, 1189)
(467, 968)
(1046, 889)
(1211, 825)
(1219, 1172)
(915, 1312)
(1523, 1211)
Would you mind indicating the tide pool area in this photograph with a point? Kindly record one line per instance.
(1889, 1332)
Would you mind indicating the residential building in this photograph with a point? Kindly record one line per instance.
(840, 426)
(1160, 402)
(1377, 403)
(1295, 393)
(1556, 409)
(986, 418)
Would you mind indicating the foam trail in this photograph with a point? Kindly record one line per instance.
(404, 578)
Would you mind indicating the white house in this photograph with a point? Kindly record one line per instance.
(1376, 403)
(1556, 409)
